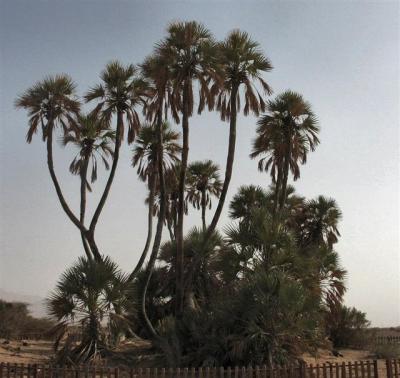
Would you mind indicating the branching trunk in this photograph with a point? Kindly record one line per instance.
(96, 215)
(61, 198)
(181, 203)
(152, 185)
(229, 161)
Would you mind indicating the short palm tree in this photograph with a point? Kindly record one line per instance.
(98, 297)
(52, 103)
(120, 94)
(203, 182)
(319, 222)
(94, 139)
(145, 157)
(285, 136)
(191, 54)
(243, 64)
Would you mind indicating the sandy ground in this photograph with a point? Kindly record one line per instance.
(40, 351)
(36, 352)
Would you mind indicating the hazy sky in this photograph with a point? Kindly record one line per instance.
(342, 56)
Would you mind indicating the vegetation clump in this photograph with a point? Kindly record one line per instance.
(260, 290)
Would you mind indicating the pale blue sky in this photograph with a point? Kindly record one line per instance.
(343, 56)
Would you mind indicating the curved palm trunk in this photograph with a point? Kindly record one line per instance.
(181, 205)
(83, 206)
(160, 224)
(61, 198)
(96, 215)
(203, 209)
(229, 161)
(139, 265)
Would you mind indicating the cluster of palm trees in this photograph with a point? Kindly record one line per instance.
(277, 257)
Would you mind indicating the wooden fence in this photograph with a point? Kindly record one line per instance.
(357, 369)
(393, 368)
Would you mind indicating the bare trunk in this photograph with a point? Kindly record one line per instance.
(179, 295)
(61, 198)
(203, 209)
(229, 161)
(277, 190)
(83, 206)
(96, 215)
(285, 173)
(160, 224)
(152, 185)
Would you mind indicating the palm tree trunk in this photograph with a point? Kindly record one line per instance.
(61, 198)
(107, 188)
(83, 206)
(229, 161)
(277, 190)
(285, 173)
(152, 186)
(160, 224)
(203, 209)
(181, 205)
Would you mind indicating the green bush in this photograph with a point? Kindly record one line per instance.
(16, 322)
(387, 351)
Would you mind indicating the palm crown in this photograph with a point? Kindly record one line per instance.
(120, 93)
(145, 151)
(203, 177)
(50, 102)
(243, 63)
(289, 126)
(93, 138)
(190, 52)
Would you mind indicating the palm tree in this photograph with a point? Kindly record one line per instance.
(120, 94)
(318, 222)
(203, 182)
(52, 103)
(190, 52)
(145, 157)
(97, 296)
(243, 64)
(285, 135)
(93, 138)
(155, 71)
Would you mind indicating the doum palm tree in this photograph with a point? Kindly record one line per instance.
(285, 135)
(51, 104)
(120, 94)
(191, 54)
(203, 182)
(145, 157)
(94, 139)
(243, 64)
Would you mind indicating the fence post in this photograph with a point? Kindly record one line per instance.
(389, 372)
(376, 374)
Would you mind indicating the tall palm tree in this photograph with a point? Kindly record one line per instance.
(156, 72)
(203, 182)
(52, 103)
(145, 157)
(285, 134)
(121, 92)
(243, 64)
(94, 139)
(191, 54)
